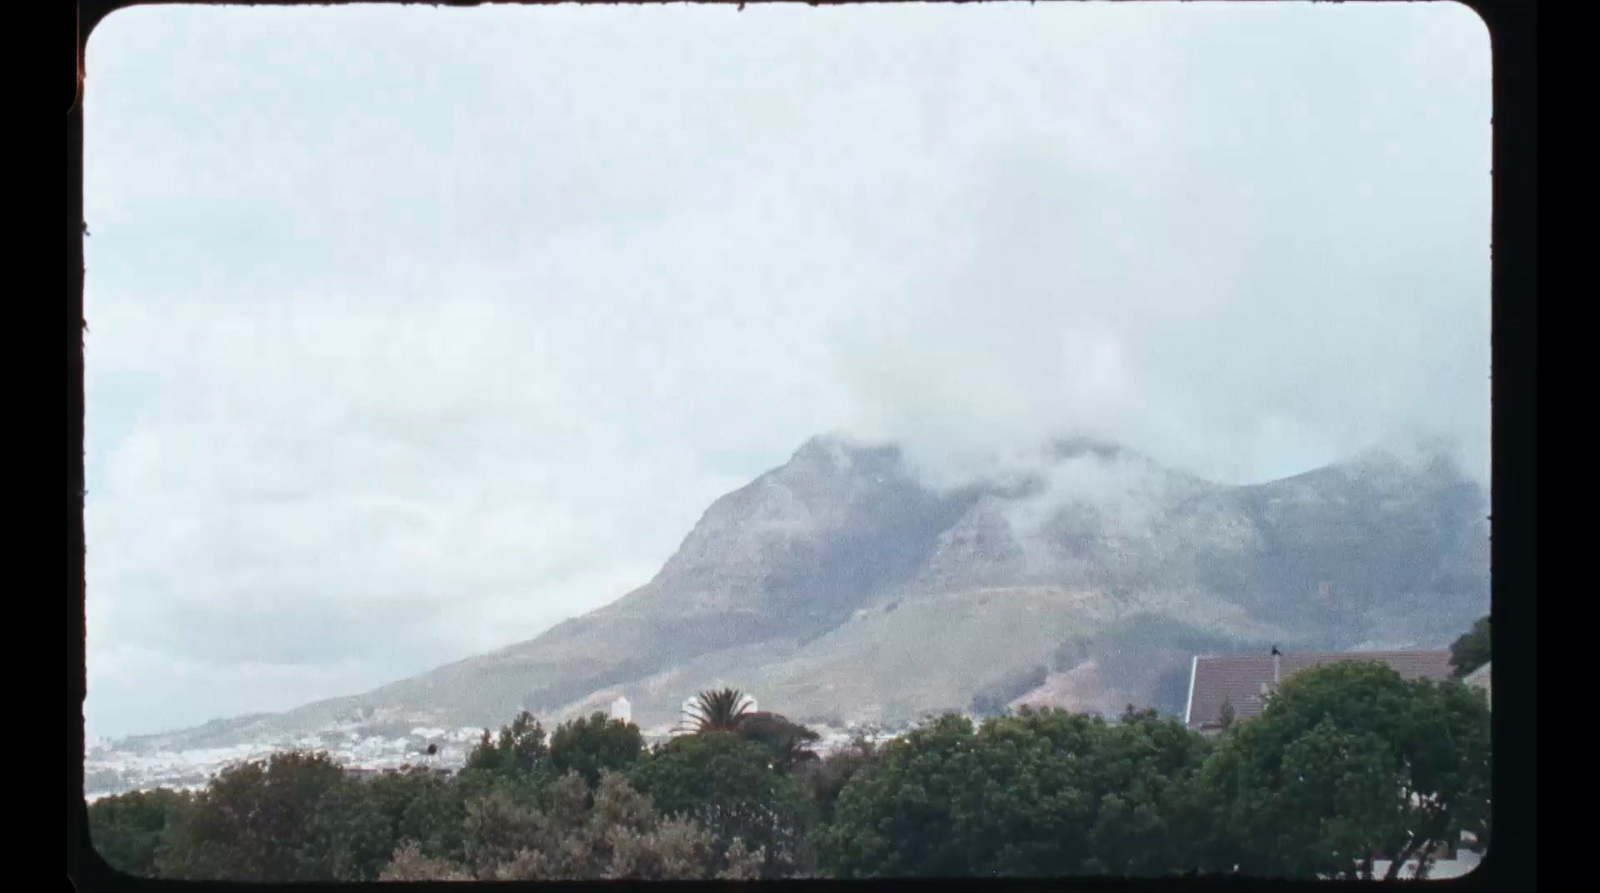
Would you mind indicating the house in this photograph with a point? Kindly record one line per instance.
(1240, 683)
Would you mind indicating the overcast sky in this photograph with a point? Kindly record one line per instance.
(414, 331)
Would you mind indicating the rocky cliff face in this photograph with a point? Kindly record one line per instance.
(839, 586)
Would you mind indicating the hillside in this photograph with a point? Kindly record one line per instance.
(838, 587)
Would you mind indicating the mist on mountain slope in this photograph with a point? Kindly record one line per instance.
(841, 586)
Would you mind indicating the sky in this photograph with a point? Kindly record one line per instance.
(413, 331)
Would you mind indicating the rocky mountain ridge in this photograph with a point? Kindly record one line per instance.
(840, 588)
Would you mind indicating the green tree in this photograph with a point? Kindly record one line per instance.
(718, 711)
(411, 865)
(728, 710)
(127, 829)
(825, 778)
(788, 742)
(436, 819)
(519, 749)
(1347, 764)
(732, 787)
(1201, 814)
(914, 812)
(588, 745)
(608, 831)
(257, 821)
(1471, 650)
(369, 820)
(1142, 769)
(1042, 793)
(365, 821)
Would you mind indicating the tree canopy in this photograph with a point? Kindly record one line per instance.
(364, 819)
(1346, 766)
(520, 748)
(734, 789)
(1471, 650)
(257, 821)
(825, 778)
(590, 745)
(607, 831)
(788, 742)
(1349, 764)
(127, 830)
(1043, 793)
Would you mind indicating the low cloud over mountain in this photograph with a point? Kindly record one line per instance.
(844, 585)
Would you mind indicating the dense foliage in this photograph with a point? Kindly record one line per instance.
(1471, 650)
(1041, 794)
(608, 830)
(735, 789)
(788, 743)
(367, 817)
(520, 749)
(1347, 765)
(591, 745)
(825, 778)
(128, 829)
(266, 820)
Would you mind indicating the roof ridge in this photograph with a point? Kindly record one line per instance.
(1251, 655)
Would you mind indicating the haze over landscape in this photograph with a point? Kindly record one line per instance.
(1014, 340)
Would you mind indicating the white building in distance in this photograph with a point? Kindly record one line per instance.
(622, 710)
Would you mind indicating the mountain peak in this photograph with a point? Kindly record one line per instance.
(839, 453)
(842, 583)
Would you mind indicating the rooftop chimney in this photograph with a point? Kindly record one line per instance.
(1277, 665)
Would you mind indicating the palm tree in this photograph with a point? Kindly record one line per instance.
(718, 711)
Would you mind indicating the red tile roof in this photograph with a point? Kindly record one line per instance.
(1238, 678)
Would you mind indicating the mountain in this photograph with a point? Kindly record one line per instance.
(839, 587)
